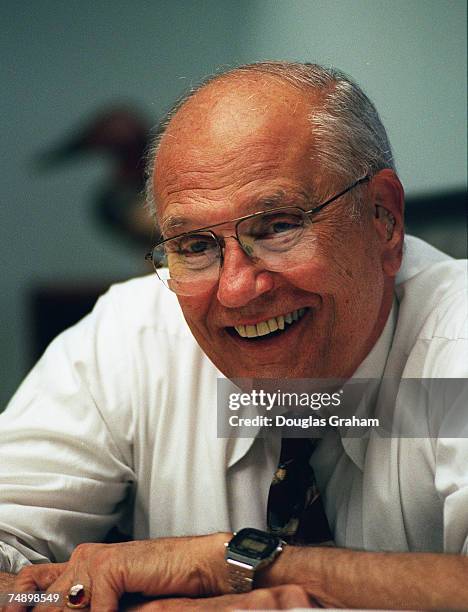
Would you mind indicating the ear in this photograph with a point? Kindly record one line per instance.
(387, 197)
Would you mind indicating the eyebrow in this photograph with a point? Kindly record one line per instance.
(277, 199)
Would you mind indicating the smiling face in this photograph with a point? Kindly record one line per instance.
(232, 149)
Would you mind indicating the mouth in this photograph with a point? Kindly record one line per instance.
(270, 327)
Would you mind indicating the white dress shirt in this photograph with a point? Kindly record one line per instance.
(116, 425)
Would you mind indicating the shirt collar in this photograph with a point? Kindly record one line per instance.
(373, 368)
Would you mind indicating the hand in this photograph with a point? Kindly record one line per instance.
(6, 581)
(276, 598)
(170, 566)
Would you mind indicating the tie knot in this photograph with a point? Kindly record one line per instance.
(297, 449)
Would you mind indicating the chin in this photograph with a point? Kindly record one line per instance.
(277, 371)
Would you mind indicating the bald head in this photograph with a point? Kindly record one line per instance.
(237, 103)
(348, 138)
(233, 115)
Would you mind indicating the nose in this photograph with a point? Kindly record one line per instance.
(240, 279)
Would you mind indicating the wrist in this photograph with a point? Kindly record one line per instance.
(302, 565)
(212, 571)
(249, 551)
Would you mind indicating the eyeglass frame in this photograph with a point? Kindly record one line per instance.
(238, 220)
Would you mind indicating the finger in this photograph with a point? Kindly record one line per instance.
(74, 574)
(92, 566)
(76, 577)
(43, 608)
(106, 592)
(55, 588)
(293, 596)
(177, 603)
(34, 578)
(39, 577)
(275, 598)
(280, 598)
(78, 572)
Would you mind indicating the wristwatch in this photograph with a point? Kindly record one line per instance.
(248, 551)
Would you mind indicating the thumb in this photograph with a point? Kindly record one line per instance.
(34, 578)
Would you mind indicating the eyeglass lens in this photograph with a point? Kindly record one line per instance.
(193, 260)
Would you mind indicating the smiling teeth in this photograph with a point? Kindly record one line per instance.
(271, 325)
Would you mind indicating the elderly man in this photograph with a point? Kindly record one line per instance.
(282, 216)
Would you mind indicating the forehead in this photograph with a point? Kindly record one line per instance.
(177, 222)
(236, 141)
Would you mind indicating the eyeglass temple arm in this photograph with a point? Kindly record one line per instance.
(318, 208)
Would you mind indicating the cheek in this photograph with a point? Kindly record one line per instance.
(322, 276)
(344, 285)
(196, 311)
(327, 261)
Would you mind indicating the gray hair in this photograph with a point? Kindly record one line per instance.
(350, 140)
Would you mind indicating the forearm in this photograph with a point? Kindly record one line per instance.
(194, 567)
(6, 581)
(346, 578)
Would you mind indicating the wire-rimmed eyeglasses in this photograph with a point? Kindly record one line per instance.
(190, 263)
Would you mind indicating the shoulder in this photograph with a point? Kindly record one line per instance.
(145, 303)
(128, 361)
(137, 333)
(129, 324)
(432, 327)
(436, 300)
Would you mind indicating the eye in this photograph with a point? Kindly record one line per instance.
(195, 245)
(191, 245)
(194, 251)
(276, 231)
(283, 226)
(270, 226)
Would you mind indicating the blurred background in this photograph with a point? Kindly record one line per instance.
(82, 82)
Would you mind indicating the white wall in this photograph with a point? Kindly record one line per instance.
(61, 60)
(410, 56)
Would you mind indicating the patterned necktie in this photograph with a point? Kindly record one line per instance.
(295, 511)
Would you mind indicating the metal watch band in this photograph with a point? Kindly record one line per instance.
(240, 576)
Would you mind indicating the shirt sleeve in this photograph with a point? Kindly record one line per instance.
(452, 485)
(11, 560)
(448, 401)
(451, 453)
(446, 364)
(65, 444)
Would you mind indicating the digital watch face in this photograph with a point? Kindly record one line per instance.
(253, 543)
